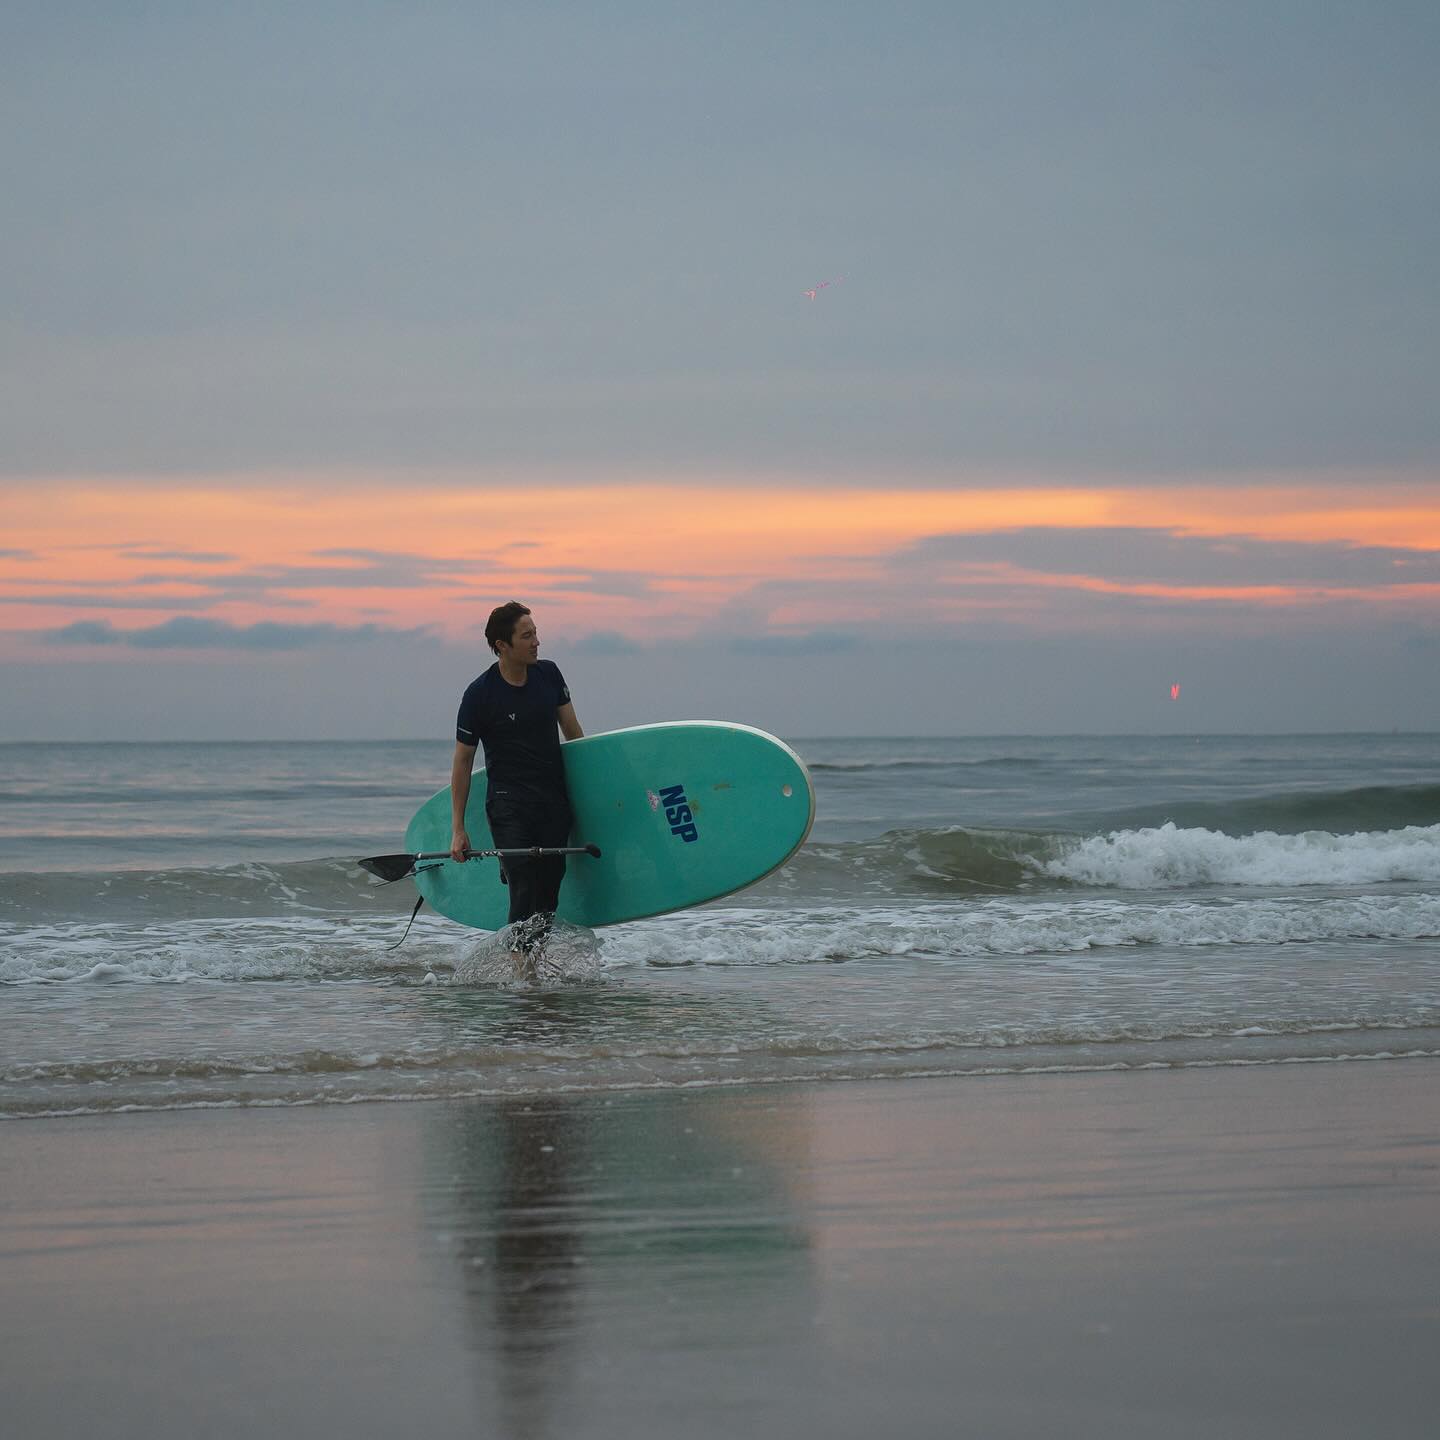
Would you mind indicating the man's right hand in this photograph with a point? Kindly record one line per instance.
(459, 844)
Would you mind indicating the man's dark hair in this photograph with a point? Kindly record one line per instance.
(502, 622)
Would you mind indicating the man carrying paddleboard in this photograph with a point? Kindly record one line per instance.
(513, 710)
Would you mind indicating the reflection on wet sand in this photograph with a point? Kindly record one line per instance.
(522, 1257)
(576, 1221)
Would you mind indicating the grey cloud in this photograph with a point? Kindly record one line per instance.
(374, 570)
(270, 578)
(812, 642)
(628, 583)
(606, 642)
(407, 566)
(395, 570)
(86, 632)
(1140, 555)
(148, 550)
(195, 557)
(600, 582)
(191, 633)
(342, 552)
(80, 600)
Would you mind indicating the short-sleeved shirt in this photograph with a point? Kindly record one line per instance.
(516, 725)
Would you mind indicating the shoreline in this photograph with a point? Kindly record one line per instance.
(1238, 1250)
(568, 1093)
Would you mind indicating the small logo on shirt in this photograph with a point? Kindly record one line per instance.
(512, 714)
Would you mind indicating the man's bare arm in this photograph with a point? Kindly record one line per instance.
(569, 724)
(460, 770)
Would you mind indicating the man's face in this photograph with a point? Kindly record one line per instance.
(524, 644)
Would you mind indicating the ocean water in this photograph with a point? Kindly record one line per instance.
(183, 925)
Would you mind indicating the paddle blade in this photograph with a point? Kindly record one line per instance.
(388, 867)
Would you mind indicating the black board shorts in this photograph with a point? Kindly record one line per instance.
(518, 823)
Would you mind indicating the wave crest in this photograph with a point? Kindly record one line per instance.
(1169, 857)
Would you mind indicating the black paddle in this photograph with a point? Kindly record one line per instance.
(397, 867)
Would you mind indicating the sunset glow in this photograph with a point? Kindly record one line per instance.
(352, 550)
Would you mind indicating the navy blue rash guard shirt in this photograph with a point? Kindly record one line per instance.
(516, 725)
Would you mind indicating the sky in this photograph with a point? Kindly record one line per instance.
(842, 369)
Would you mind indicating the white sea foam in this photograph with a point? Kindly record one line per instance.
(284, 947)
(302, 948)
(1169, 857)
(1007, 927)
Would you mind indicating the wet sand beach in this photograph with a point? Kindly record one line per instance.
(1194, 1252)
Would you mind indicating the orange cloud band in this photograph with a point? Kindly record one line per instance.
(679, 550)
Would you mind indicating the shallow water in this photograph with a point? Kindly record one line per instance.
(184, 926)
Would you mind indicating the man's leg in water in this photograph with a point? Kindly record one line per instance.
(529, 924)
(534, 884)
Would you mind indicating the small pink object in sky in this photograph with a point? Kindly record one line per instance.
(1175, 692)
(824, 285)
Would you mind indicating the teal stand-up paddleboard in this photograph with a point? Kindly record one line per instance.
(682, 813)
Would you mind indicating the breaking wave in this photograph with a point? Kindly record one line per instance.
(976, 862)
(1170, 857)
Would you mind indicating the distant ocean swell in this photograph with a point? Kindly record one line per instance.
(901, 864)
(1341, 812)
(198, 791)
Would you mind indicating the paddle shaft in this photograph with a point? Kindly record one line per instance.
(522, 854)
(396, 867)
